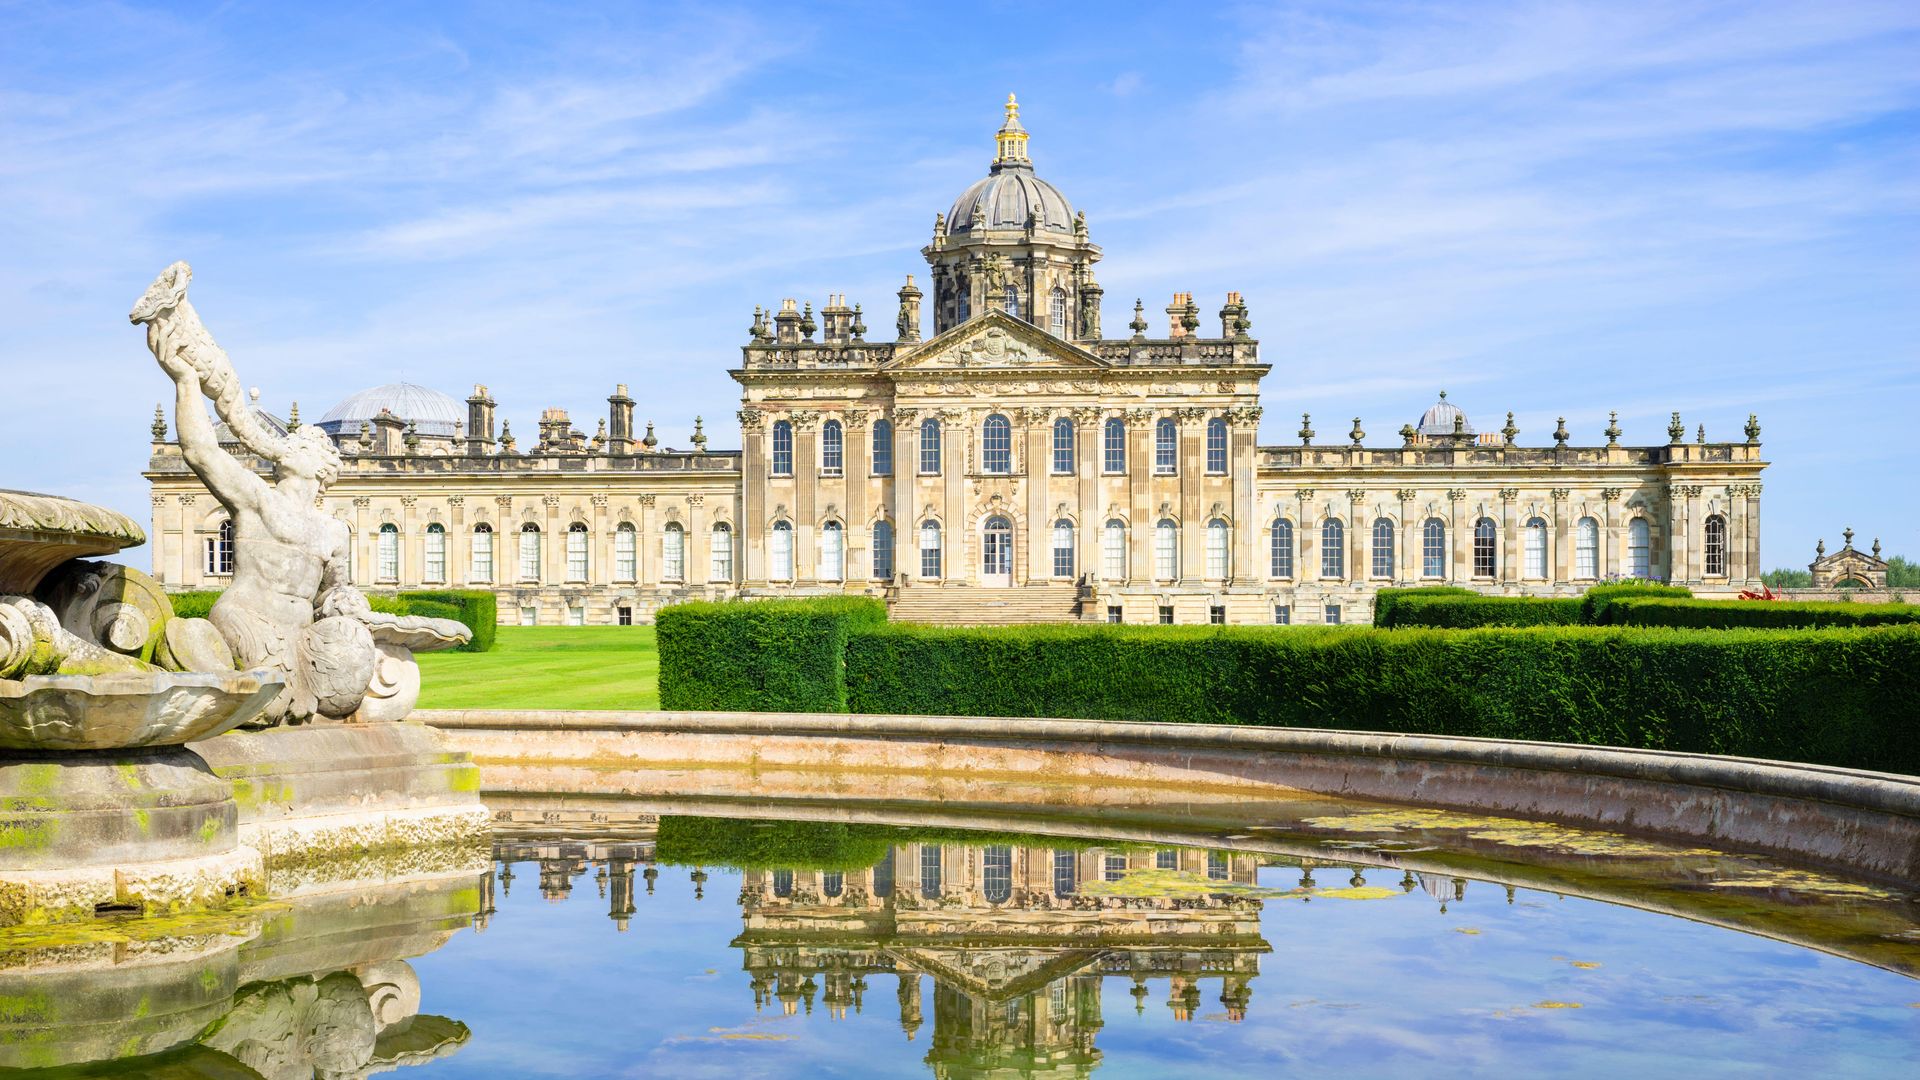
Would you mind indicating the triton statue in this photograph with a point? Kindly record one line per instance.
(291, 606)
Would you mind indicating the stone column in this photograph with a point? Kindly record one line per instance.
(1140, 493)
(1679, 564)
(646, 569)
(694, 548)
(1359, 537)
(1242, 430)
(806, 488)
(960, 559)
(906, 469)
(1509, 570)
(1306, 536)
(1610, 560)
(1190, 458)
(1033, 433)
(1752, 503)
(600, 544)
(1086, 468)
(1561, 552)
(750, 531)
(459, 542)
(1412, 540)
(553, 553)
(362, 551)
(859, 463)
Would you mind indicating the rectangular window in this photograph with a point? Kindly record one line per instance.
(1063, 447)
(1113, 613)
(1333, 614)
(1282, 614)
(482, 572)
(529, 616)
(1063, 550)
(625, 615)
(529, 555)
(1065, 874)
(625, 553)
(1113, 552)
(720, 554)
(1166, 859)
(929, 550)
(1166, 615)
(576, 554)
(1433, 550)
(783, 449)
(576, 616)
(1217, 615)
(930, 871)
(930, 448)
(436, 561)
(1216, 866)
(1114, 447)
(673, 554)
(883, 550)
(1166, 449)
(882, 448)
(1217, 447)
(1114, 867)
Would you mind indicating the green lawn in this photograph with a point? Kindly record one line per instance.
(548, 667)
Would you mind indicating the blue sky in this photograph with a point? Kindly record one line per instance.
(1560, 209)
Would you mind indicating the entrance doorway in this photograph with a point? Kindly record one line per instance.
(996, 553)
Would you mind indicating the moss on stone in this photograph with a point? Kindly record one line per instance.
(25, 835)
(465, 780)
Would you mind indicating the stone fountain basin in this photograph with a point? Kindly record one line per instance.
(131, 709)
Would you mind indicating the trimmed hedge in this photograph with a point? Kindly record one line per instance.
(1472, 610)
(1596, 603)
(1386, 600)
(471, 607)
(1836, 697)
(193, 605)
(477, 608)
(1759, 615)
(759, 655)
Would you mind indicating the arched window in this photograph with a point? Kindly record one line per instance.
(1113, 550)
(930, 447)
(1066, 874)
(1013, 301)
(1639, 548)
(435, 570)
(1485, 541)
(1333, 548)
(481, 572)
(882, 550)
(930, 871)
(833, 883)
(530, 552)
(577, 552)
(882, 448)
(782, 448)
(1057, 313)
(1063, 446)
(387, 554)
(1586, 548)
(1166, 447)
(833, 552)
(1433, 548)
(1166, 550)
(1114, 446)
(996, 445)
(996, 873)
(930, 549)
(1219, 545)
(1280, 541)
(833, 448)
(673, 552)
(1716, 546)
(1063, 548)
(1382, 548)
(720, 553)
(1535, 540)
(626, 552)
(219, 552)
(780, 552)
(996, 547)
(1217, 446)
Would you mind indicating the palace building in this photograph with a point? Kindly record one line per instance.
(1000, 460)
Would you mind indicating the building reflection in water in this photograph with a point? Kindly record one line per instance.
(1014, 944)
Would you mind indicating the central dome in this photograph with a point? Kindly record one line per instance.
(431, 412)
(1010, 191)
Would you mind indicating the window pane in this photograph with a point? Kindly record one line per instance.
(883, 550)
(1382, 548)
(482, 572)
(720, 552)
(1433, 548)
(1113, 551)
(577, 552)
(780, 552)
(388, 553)
(1166, 447)
(833, 552)
(833, 446)
(1716, 546)
(1063, 445)
(530, 553)
(1639, 548)
(1166, 550)
(930, 871)
(882, 448)
(1217, 446)
(1057, 313)
(1066, 875)
(930, 447)
(929, 549)
(1586, 548)
(1218, 543)
(436, 554)
(1333, 549)
(1281, 541)
(1536, 548)
(1063, 548)
(1114, 444)
(626, 552)
(673, 553)
(1484, 538)
(996, 445)
(996, 877)
(782, 448)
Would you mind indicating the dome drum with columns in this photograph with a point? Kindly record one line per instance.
(1001, 459)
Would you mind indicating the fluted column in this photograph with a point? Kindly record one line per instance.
(859, 463)
(750, 532)
(806, 487)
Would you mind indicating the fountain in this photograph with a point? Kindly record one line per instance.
(154, 764)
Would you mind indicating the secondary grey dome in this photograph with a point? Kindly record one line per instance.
(1439, 419)
(431, 412)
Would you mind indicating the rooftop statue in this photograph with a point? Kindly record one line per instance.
(291, 606)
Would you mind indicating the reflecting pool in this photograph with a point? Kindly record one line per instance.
(1310, 939)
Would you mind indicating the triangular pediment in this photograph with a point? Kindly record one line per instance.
(994, 341)
(997, 974)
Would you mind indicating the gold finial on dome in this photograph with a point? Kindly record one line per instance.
(1012, 138)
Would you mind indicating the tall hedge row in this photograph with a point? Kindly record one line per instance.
(473, 607)
(759, 655)
(1467, 612)
(1765, 615)
(1387, 600)
(1596, 604)
(1836, 697)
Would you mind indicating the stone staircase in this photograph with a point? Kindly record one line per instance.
(970, 606)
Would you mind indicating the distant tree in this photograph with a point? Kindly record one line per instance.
(1788, 579)
(1902, 573)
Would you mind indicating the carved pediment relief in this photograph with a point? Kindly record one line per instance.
(995, 341)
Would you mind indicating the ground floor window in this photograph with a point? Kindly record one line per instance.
(1166, 859)
(1166, 615)
(1114, 867)
(220, 550)
(624, 615)
(1217, 615)
(1282, 614)
(576, 615)
(1113, 613)
(529, 616)
(1333, 614)
(1216, 866)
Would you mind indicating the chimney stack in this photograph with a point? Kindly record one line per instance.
(620, 422)
(479, 423)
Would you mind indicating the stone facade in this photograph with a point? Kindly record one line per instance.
(1014, 451)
